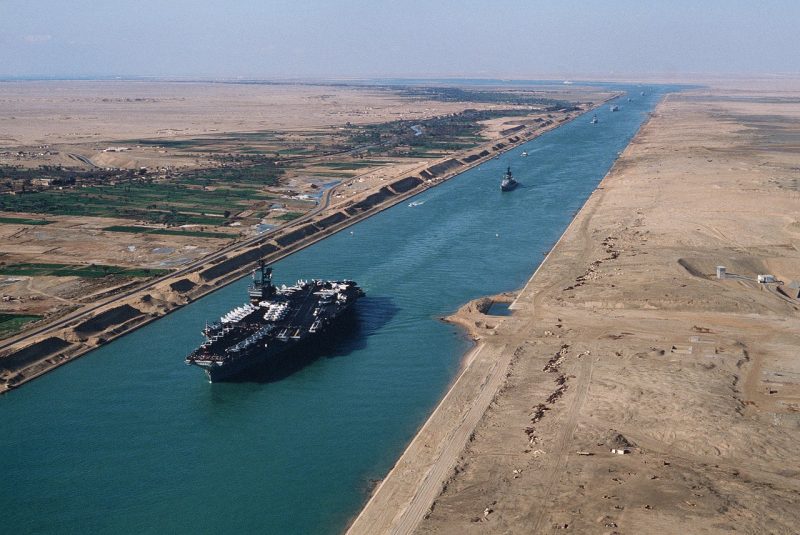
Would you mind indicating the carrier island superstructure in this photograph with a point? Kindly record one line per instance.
(275, 324)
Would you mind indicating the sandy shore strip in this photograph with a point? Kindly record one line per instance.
(633, 391)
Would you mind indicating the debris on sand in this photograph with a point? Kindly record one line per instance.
(617, 440)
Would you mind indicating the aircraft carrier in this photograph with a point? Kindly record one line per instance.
(274, 323)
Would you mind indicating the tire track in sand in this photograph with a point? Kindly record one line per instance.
(565, 438)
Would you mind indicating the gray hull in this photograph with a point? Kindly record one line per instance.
(273, 356)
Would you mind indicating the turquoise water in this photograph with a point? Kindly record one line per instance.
(130, 440)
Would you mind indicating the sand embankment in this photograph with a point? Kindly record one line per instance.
(624, 339)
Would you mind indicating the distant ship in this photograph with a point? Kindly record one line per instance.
(275, 322)
(508, 182)
(614, 107)
(594, 120)
(524, 153)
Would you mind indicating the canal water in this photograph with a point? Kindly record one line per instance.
(128, 439)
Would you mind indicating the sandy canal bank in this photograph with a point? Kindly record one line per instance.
(625, 340)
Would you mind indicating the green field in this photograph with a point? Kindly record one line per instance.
(91, 271)
(334, 174)
(261, 174)
(440, 134)
(296, 151)
(224, 143)
(172, 203)
(134, 229)
(23, 221)
(289, 216)
(517, 96)
(13, 323)
(355, 164)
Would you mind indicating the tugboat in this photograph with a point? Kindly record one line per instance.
(272, 325)
(594, 120)
(508, 182)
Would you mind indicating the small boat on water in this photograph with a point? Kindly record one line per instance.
(508, 182)
(594, 120)
(614, 107)
(524, 153)
(416, 203)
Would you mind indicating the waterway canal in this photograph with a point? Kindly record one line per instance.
(130, 440)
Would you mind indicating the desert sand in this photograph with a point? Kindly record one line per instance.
(56, 112)
(625, 340)
(49, 120)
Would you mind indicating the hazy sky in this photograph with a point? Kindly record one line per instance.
(372, 38)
